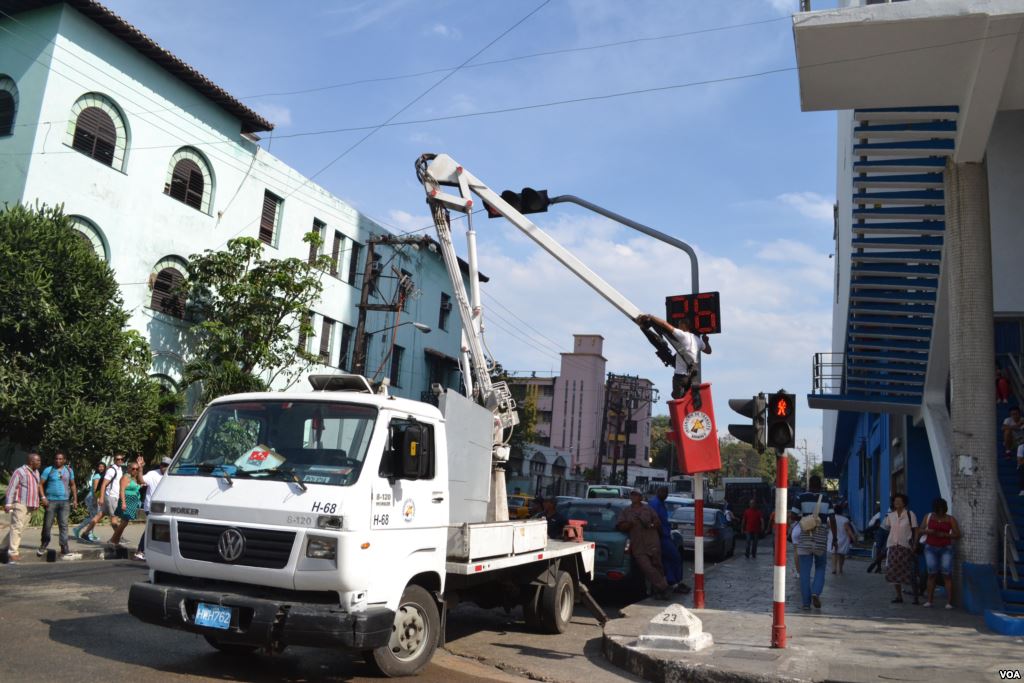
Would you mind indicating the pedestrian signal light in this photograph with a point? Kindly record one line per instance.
(782, 420)
(755, 432)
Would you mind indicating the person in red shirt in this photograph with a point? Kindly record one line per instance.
(753, 526)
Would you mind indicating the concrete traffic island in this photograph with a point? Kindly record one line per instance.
(857, 635)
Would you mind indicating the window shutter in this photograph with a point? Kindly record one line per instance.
(336, 252)
(318, 228)
(6, 113)
(95, 135)
(325, 341)
(167, 297)
(187, 184)
(268, 219)
(353, 265)
(346, 342)
(396, 365)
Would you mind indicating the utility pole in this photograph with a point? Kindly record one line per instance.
(602, 447)
(359, 350)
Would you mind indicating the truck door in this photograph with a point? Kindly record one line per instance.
(409, 506)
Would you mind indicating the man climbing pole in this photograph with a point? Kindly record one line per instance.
(686, 344)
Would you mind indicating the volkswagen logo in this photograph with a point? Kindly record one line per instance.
(231, 545)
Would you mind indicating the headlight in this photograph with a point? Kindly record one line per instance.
(321, 548)
(160, 533)
(157, 508)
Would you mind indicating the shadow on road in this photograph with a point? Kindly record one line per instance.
(122, 639)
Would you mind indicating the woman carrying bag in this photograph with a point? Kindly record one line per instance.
(901, 562)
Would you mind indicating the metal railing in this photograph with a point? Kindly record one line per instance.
(1010, 538)
(1014, 374)
(828, 372)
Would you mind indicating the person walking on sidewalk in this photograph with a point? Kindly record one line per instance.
(940, 531)
(1013, 432)
(845, 534)
(109, 491)
(901, 564)
(22, 500)
(152, 479)
(881, 537)
(753, 525)
(641, 523)
(91, 506)
(128, 503)
(57, 493)
(812, 545)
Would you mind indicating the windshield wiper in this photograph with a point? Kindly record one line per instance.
(287, 472)
(212, 467)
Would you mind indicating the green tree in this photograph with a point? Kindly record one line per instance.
(72, 376)
(248, 309)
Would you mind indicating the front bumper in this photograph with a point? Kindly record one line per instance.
(260, 621)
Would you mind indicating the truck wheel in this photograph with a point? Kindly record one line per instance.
(236, 649)
(413, 636)
(556, 604)
(531, 608)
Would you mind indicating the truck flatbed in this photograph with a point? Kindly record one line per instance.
(554, 550)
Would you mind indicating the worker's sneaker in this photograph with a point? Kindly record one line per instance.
(42, 551)
(139, 556)
(816, 601)
(681, 588)
(71, 556)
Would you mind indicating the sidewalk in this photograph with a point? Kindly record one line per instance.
(100, 550)
(857, 635)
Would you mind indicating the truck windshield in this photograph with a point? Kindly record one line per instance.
(309, 441)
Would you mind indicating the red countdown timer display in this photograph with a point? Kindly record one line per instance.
(702, 310)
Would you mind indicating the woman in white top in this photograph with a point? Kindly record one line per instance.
(900, 560)
(846, 534)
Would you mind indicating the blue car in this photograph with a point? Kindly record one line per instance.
(612, 562)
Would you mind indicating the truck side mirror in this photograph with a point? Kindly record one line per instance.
(414, 454)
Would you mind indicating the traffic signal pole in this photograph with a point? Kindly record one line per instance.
(781, 532)
(698, 540)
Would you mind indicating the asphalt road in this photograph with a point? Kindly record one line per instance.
(70, 619)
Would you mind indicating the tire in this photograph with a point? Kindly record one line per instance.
(531, 608)
(556, 604)
(234, 649)
(414, 635)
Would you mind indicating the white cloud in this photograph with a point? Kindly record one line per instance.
(405, 221)
(279, 115)
(788, 6)
(771, 325)
(809, 204)
(446, 31)
(357, 16)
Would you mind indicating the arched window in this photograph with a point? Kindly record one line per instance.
(8, 105)
(92, 235)
(98, 130)
(189, 179)
(167, 278)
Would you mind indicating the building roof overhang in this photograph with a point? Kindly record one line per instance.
(968, 53)
(133, 37)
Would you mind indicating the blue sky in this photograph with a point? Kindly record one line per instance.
(733, 168)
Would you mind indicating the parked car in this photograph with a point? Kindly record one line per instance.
(518, 507)
(608, 491)
(563, 502)
(612, 561)
(673, 503)
(719, 537)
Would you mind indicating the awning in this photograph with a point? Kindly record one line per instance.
(441, 355)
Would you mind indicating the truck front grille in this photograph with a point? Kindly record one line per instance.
(263, 547)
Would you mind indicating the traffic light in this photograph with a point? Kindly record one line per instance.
(754, 433)
(782, 420)
(527, 201)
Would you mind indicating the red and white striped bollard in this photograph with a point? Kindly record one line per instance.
(698, 540)
(781, 532)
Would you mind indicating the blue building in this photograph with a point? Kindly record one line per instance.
(928, 296)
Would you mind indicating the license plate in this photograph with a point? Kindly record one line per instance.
(213, 616)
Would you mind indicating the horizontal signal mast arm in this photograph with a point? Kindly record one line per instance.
(443, 170)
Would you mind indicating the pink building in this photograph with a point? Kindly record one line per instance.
(570, 405)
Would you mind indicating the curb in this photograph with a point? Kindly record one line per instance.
(662, 670)
(104, 551)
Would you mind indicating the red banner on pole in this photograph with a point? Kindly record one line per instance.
(694, 432)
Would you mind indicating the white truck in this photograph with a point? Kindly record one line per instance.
(346, 517)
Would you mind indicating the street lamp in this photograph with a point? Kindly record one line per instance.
(419, 326)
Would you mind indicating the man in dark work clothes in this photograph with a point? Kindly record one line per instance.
(642, 525)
